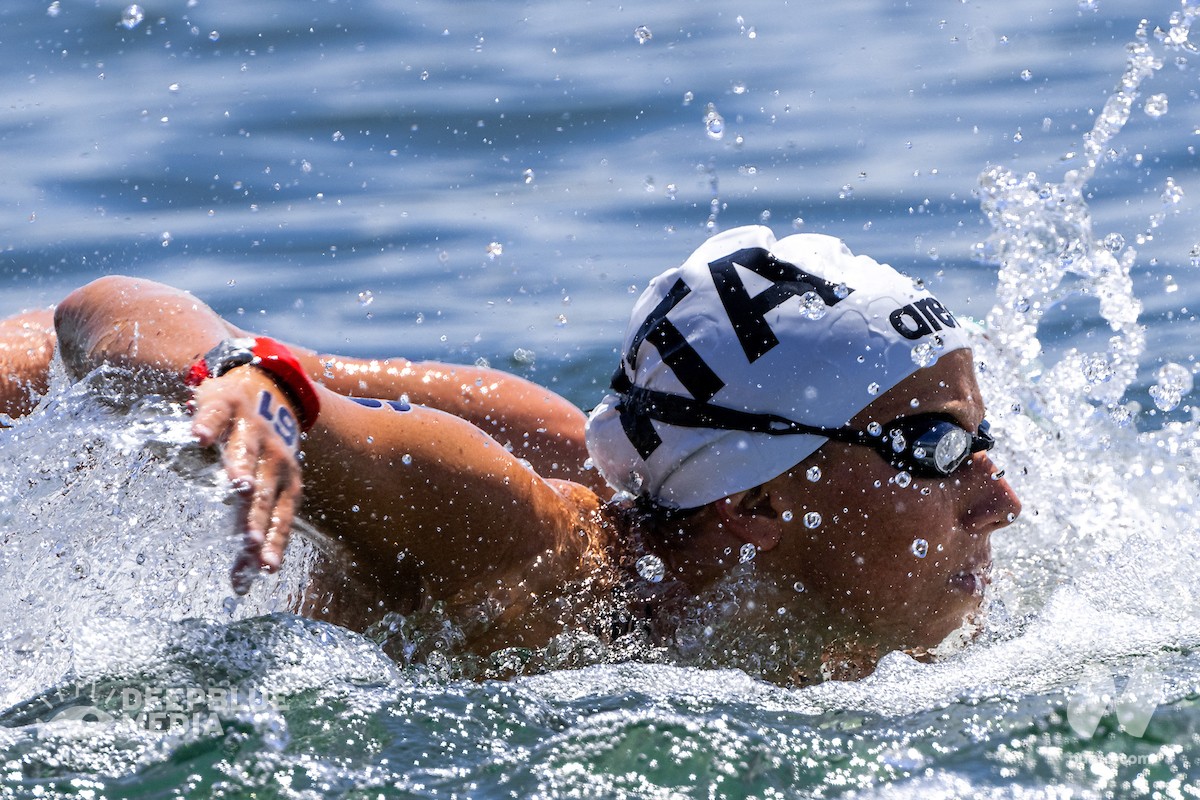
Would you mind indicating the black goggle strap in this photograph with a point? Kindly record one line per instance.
(685, 412)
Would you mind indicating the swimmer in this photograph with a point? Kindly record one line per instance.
(795, 435)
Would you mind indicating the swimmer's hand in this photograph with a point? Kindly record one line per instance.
(252, 421)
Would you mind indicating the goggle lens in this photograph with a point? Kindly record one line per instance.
(931, 446)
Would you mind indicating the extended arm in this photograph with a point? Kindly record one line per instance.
(535, 423)
(459, 505)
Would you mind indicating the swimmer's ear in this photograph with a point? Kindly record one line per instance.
(751, 517)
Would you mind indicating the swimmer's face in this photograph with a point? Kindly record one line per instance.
(861, 562)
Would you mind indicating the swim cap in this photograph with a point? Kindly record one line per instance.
(749, 340)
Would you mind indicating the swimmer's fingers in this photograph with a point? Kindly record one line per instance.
(247, 415)
(267, 474)
(282, 517)
(214, 414)
(263, 467)
(273, 502)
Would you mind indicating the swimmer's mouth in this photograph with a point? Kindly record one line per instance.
(972, 581)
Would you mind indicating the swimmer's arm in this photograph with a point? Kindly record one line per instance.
(425, 490)
(539, 425)
(154, 330)
(26, 345)
(159, 331)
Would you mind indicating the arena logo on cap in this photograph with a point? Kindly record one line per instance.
(922, 318)
(747, 315)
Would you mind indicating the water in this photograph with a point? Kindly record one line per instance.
(477, 181)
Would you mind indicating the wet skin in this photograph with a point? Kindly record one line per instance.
(860, 562)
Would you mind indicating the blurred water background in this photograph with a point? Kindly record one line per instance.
(483, 180)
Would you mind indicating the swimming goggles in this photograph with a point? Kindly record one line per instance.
(923, 445)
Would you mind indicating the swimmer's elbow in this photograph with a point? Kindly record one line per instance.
(89, 316)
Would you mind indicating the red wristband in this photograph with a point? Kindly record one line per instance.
(272, 358)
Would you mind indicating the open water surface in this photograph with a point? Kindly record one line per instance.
(483, 180)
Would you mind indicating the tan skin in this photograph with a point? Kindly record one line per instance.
(431, 505)
(26, 344)
(859, 564)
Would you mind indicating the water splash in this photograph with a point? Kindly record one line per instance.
(1106, 491)
(89, 541)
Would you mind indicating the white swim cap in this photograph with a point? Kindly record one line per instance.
(732, 358)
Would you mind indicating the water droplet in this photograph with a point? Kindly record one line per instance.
(924, 354)
(920, 548)
(495, 250)
(1172, 193)
(873, 388)
(738, 87)
(1096, 369)
(747, 553)
(132, 16)
(898, 442)
(406, 459)
(651, 568)
(1026, 75)
(141, 558)
(812, 520)
(841, 291)
(642, 34)
(365, 298)
(787, 516)
(813, 474)
(1114, 242)
(714, 123)
(1174, 381)
(54, 9)
(528, 176)
(1155, 105)
(214, 36)
(903, 479)
(874, 428)
(798, 586)
(688, 97)
(671, 191)
(812, 306)
(523, 356)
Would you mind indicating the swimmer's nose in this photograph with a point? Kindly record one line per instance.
(991, 501)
